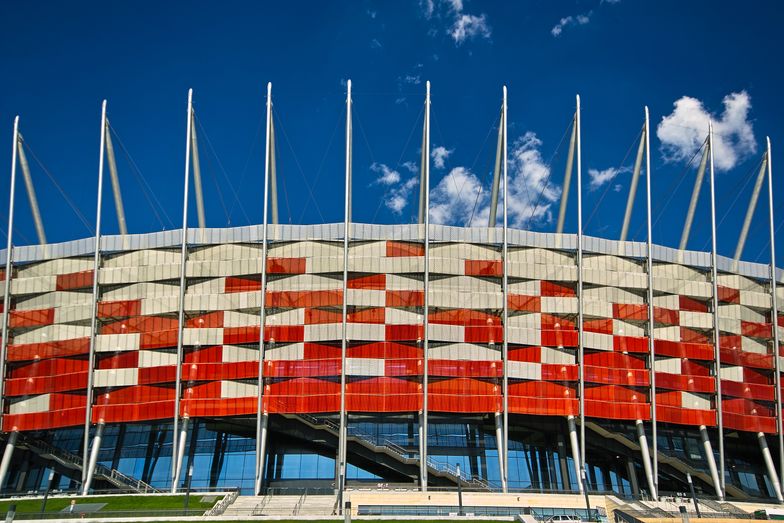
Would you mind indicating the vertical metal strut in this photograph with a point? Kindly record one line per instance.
(505, 283)
(344, 337)
(86, 474)
(775, 314)
(716, 326)
(8, 268)
(261, 440)
(580, 347)
(651, 320)
(175, 472)
(426, 308)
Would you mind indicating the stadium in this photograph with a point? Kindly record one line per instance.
(329, 357)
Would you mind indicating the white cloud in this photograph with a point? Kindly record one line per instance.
(387, 176)
(683, 131)
(468, 27)
(397, 192)
(439, 155)
(569, 21)
(462, 26)
(599, 177)
(452, 200)
(428, 7)
(411, 166)
(411, 79)
(460, 194)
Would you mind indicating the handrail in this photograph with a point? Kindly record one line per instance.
(220, 507)
(389, 446)
(111, 475)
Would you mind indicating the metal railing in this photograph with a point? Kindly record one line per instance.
(221, 506)
(389, 447)
(71, 460)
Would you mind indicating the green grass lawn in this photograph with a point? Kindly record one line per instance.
(138, 503)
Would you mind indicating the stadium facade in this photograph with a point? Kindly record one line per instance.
(389, 354)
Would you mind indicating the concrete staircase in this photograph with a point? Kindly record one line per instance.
(396, 452)
(677, 464)
(74, 462)
(302, 505)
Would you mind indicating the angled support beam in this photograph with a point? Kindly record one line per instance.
(711, 459)
(31, 197)
(118, 201)
(646, 458)
(7, 455)
(695, 196)
(627, 217)
(175, 471)
(423, 158)
(497, 172)
(96, 449)
(567, 181)
(744, 232)
(8, 268)
(197, 187)
(86, 474)
(574, 442)
(273, 168)
(261, 414)
(771, 468)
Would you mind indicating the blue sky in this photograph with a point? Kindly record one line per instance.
(61, 59)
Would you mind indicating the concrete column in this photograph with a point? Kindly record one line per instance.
(6, 461)
(499, 435)
(646, 459)
(263, 423)
(575, 450)
(708, 448)
(774, 478)
(180, 453)
(96, 448)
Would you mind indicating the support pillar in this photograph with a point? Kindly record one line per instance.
(646, 459)
(573, 440)
(708, 449)
(94, 451)
(716, 324)
(422, 454)
(8, 266)
(499, 434)
(426, 284)
(175, 472)
(180, 453)
(774, 478)
(7, 455)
